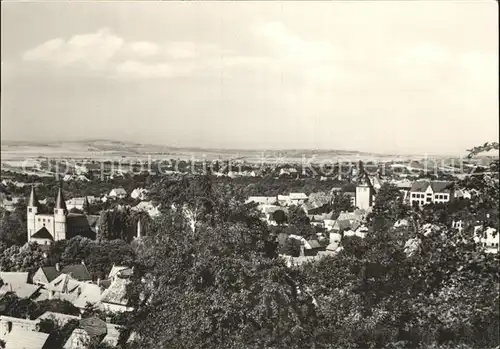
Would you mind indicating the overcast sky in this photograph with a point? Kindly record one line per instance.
(395, 76)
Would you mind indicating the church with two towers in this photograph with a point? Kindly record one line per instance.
(45, 228)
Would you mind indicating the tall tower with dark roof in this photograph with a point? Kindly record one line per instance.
(32, 211)
(60, 213)
(364, 189)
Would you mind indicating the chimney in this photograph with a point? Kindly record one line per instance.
(58, 267)
(83, 262)
(302, 248)
(98, 281)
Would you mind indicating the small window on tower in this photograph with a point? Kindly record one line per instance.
(29, 209)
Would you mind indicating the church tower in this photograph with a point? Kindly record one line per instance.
(32, 211)
(364, 189)
(60, 213)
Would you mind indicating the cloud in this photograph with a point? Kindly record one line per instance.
(104, 50)
(94, 50)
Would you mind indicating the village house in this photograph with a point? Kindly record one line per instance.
(17, 282)
(427, 192)
(298, 199)
(45, 275)
(80, 203)
(114, 298)
(98, 331)
(19, 333)
(262, 200)
(284, 200)
(117, 193)
(89, 329)
(9, 202)
(269, 210)
(489, 239)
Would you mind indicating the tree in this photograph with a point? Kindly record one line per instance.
(104, 229)
(389, 206)
(27, 258)
(297, 217)
(341, 203)
(12, 228)
(234, 296)
(279, 217)
(99, 257)
(291, 247)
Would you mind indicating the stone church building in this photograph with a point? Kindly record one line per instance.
(60, 225)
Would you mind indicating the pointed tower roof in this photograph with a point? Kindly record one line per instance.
(60, 203)
(363, 177)
(33, 201)
(86, 205)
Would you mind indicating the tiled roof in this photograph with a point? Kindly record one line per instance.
(50, 273)
(78, 272)
(314, 244)
(262, 199)
(21, 339)
(14, 277)
(420, 186)
(93, 220)
(320, 198)
(90, 294)
(441, 186)
(116, 293)
(22, 290)
(115, 270)
(63, 283)
(112, 335)
(77, 220)
(437, 186)
(298, 196)
(42, 233)
(93, 326)
(119, 191)
(320, 217)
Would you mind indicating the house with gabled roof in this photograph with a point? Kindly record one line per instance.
(117, 193)
(431, 192)
(45, 275)
(98, 331)
(114, 298)
(298, 198)
(19, 333)
(17, 282)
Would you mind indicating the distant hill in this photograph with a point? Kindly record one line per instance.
(105, 149)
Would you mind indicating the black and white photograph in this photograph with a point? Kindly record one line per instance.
(249, 174)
